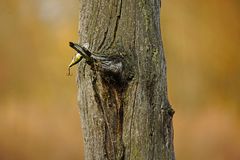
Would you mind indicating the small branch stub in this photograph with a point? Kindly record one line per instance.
(110, 67)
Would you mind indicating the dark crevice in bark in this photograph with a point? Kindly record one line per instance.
(120, 113)
(115, 93)
(103, 40)
(119, 11)
(107, 127)
(113, 84)
(106, 32)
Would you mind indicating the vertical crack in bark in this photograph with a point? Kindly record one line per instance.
(94, 21)
(105, 144)
(120, 112)
(135, 92)
(119, 12)
(151, 95)
(107, 128)
(131, 123)
(104, 38)
(106, 32)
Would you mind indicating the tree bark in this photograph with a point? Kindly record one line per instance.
(122, 88)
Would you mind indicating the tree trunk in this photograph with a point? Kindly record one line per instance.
(122, 88)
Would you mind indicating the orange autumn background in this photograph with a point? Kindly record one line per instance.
(39, 117)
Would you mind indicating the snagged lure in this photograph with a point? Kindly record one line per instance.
(82, 52)
(77, 58)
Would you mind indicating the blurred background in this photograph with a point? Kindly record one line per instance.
(39, 117)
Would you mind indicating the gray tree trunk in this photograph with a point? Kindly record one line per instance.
(122, 90)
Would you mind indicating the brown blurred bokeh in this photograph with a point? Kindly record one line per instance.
(39, 117)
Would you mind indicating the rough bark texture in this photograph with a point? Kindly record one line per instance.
(122, 95)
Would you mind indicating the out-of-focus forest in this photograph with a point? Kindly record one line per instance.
(39, 117)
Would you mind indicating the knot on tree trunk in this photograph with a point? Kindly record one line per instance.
(113, 68)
